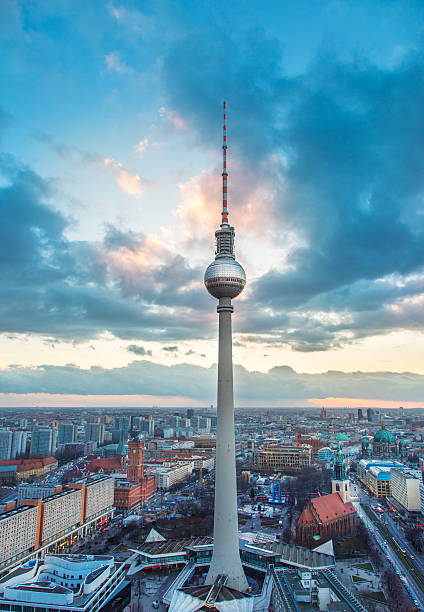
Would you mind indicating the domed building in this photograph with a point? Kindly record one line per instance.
(384, 443)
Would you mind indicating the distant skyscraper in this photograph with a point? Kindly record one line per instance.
(225, 280)
(43, 441)
(190, 413)
(360, 414)
(67, 433)
(19, 443)
(6, 438)
(147, 425)
(95, 432)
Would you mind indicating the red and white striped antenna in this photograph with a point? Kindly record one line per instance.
(224, 170)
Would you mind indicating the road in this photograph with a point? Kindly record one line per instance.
(404, 567)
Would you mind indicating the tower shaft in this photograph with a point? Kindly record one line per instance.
(226, 555)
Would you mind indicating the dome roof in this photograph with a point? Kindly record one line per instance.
(384, 436)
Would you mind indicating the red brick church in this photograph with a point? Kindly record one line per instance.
(331, 515)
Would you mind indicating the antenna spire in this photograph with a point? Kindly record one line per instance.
(224, 169)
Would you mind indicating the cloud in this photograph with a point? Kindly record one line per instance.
(345, 183)
(148, 378)
(114, 63)
(143, 145)
(132, 184)
(127, 284)
(173, 117)
(138, 350)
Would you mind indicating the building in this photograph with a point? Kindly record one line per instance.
(78, 583)
(25, 468)
(94, 432)
(36, 491)
(50, 524)
(282, 457)
(170, 474)
(6, 438)
(19, 443)
(373, 415)
(43, 441)
(326, 455)
(375, 474)
(12, 443)
(405, 492)
(147, 426)
(132, 492)
(130, 496)
(67, 433)
(300, 589)
(384, 444)
(135, 471)
(76, 449)
(331, 515)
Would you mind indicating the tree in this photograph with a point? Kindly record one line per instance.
(286, 536)
(415, 538)
(394, 590)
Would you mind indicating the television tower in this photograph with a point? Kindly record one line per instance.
(225, 279)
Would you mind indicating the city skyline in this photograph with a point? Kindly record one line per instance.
(110, 182)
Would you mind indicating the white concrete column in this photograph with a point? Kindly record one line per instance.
(226, 555)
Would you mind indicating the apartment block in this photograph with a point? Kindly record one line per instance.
(46, 525)
(405, 492)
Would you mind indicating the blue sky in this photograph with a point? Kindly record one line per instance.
(110, 127)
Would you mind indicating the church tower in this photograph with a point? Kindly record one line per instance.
(340, 483)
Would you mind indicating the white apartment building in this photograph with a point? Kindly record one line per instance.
(99, 496)
(405, 491)
(62, 513)
(18, 531)
(52, 523)
(171, 474)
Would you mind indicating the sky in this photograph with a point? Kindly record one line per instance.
(110, 179)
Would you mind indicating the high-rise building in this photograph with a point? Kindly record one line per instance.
(147, 425)
(67, 433)
(43, 441)
(225, 279)
(95, 432)
(6, 439)
(19, 443)
(190, 413)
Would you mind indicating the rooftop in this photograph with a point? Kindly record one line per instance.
(299, 556)
(173, 546)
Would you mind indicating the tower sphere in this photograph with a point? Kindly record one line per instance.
(225, 277)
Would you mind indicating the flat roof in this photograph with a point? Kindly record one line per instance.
(173, 546)
(299, 556)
